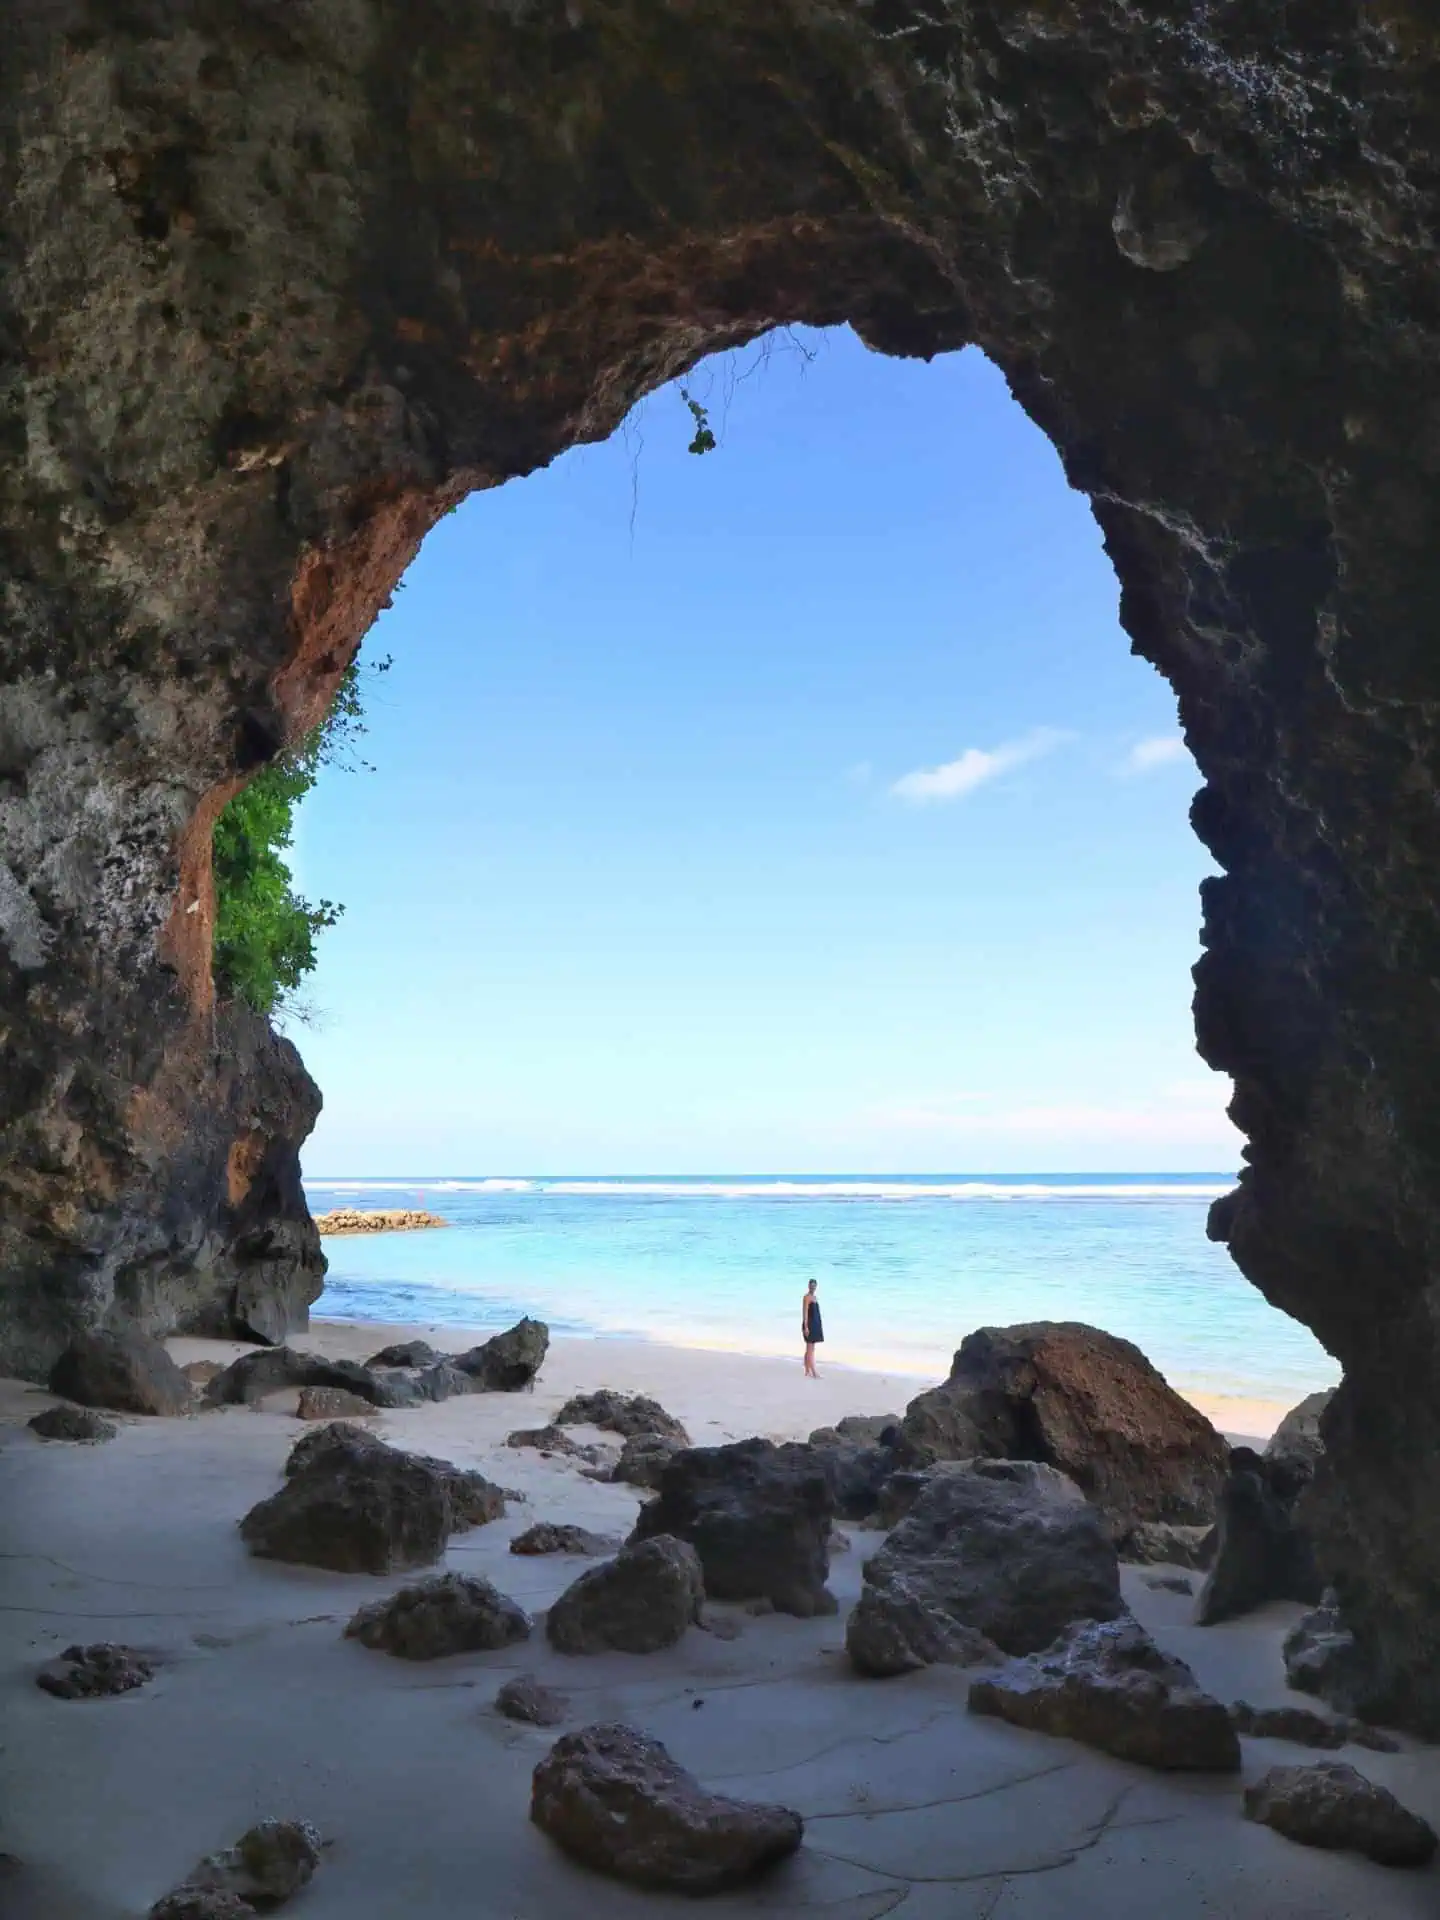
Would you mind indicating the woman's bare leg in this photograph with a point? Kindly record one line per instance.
(810, 1358)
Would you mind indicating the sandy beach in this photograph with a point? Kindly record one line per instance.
(261, 1707)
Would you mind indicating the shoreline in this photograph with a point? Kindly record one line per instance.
(1246, 1418)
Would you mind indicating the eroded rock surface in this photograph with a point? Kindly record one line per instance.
(264, 357)
(405, 1353)
(1304, 1727)
(1329, 1804)
(123, 1369)
(201, 1903)
(1084, 1402)
(642, 1601)
(1320, 1655)
(993, 1551)
(758, 1515)
(1107, 1685)
(454, 1613)
(614, 1800)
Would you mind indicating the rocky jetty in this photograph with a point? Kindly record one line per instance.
(342, 1220)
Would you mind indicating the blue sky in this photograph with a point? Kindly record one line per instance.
(797, 807)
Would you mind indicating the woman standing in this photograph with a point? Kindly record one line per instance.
(812, 1328)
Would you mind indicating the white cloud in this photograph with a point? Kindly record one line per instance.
(1161, 750)
(974, 768)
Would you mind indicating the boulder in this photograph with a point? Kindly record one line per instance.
(474, 1500)
(509, 1362)
(95, 1672)
(524, 1699)
(332, 1403)
(1170, 1582)
(125, 1371)
(1304, 1727)
(1329, 1804)
(549, 1537)
(627, 1414)
(613, 1799)
(376, 1512)
(405, 1353)
(268, 1865)
(355, 1505)
(643, 1460)
(640, 1602)
(1002, 1551)
(1106, 1684)
(1320, 1654)
(338, 1437)
(1262, 1549)
(453, 1613)
(73, 1423)
(1085, 1402)
(1159, 1543)
(758, 1515)
(201, 1372)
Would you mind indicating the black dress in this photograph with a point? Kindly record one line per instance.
(814, 1326)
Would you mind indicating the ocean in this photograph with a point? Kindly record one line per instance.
(907, 1266)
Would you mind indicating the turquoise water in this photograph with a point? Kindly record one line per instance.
(907, 1266)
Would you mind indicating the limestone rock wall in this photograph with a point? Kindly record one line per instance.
(280, 282)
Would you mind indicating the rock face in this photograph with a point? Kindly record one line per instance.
(1082, 1401)
(124, 1370)
(326, 335)
(758, 1515)
(1331, 1805)
(72, 1423)
(614, 1800)
(628, 1414)
(1263, 1550)
(355, 1505)
(1106, 1684)
(95, 1672)
(1157, 1543)
(994, 1551)
(640, 1602)
(455, 1613)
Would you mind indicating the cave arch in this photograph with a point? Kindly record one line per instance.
(282, 283)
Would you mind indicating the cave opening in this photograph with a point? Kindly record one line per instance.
(791, 811)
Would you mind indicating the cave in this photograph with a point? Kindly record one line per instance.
(280, 284)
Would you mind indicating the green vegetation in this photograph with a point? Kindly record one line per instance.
(265, 931)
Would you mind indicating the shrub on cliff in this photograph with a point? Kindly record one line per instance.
(265, 930)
